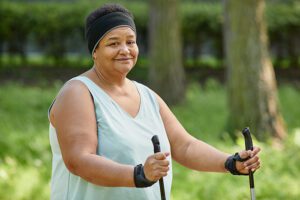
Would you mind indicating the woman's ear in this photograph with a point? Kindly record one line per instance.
(94, 55)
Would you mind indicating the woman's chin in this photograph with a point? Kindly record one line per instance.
(125, 68)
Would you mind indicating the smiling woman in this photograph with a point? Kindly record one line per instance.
(101, 125)
(117, 52)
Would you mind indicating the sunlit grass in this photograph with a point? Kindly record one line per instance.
(25, 157)
(204, 115)
(204, 111)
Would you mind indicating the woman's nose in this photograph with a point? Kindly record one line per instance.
(124, 49)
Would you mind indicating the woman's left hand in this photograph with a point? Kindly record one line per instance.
(253, 163)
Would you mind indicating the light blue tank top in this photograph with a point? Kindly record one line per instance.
(121, 138)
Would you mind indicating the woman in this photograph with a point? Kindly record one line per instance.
(101, 125)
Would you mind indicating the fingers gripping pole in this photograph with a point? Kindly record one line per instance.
(249, 146)
(156, 146)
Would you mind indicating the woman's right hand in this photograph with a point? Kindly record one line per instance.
(156, 166)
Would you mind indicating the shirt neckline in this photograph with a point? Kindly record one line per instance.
(115, 103)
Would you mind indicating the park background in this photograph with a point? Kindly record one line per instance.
(42, 45)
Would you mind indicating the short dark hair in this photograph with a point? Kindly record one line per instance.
(104, 10)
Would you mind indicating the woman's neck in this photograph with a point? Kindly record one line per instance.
(109, 83)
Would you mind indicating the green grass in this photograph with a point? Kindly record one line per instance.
(25, 157)
(204, 115)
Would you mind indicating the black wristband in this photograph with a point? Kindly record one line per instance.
(230, 164)
(140, 179)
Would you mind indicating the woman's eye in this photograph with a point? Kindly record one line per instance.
(113, 44)
(131, 42)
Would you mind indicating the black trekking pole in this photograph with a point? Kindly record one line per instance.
(156, 146)
(249, 146)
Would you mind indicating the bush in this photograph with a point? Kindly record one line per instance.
(58, 28)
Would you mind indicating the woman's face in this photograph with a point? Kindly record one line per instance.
(117, 51)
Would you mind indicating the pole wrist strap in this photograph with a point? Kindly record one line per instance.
(230, 164)
(140, 179)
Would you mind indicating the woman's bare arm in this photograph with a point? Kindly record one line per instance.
(195, 154)
(73, 117)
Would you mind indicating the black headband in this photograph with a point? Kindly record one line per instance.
(103, 25)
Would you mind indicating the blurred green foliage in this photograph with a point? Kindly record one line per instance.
(25, 155)
(57, 29)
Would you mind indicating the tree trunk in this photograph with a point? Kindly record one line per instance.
(252, 90)
(166, 74)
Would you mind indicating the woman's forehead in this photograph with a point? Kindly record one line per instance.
(120, 32)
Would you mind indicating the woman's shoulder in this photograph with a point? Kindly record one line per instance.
(143, 87)
(72, 92)
(147, 89)
(150, 94)
(73, 87)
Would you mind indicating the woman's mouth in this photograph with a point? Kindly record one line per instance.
(123, 59)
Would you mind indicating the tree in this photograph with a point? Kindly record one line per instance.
(166, 74)
(252, 90)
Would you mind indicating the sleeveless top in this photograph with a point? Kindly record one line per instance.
(121, 138)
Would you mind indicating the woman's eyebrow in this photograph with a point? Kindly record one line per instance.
(117, 38)
(113, 38)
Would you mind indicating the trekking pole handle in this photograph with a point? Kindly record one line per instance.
(249, 146)
(156, 146)
(248, 139)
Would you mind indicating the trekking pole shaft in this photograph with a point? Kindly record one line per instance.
(162, 189)
(156, 146)
(251, 183)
